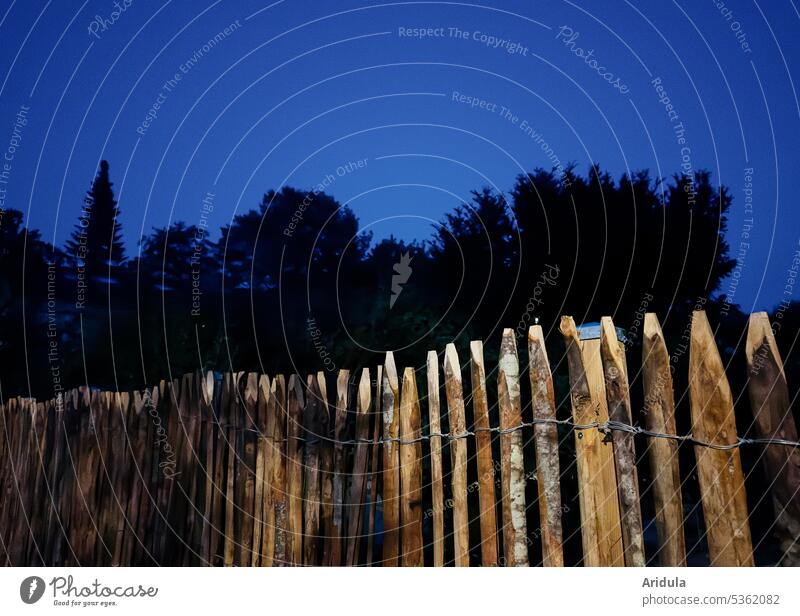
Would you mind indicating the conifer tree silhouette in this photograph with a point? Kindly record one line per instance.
(95, 249)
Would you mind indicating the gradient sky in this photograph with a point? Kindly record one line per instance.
(296, 90)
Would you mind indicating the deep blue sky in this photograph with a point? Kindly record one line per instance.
(298, 89)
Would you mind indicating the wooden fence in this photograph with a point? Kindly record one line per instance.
(264, 471)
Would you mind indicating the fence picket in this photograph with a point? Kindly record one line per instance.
(326, 469)
(619, 409)
(659, 414)
(339, 468)
(458, 454)
(294, 469)
(600, 527)
(377, 420)
(483, 443)
(435, 427)
(390, 405)
(276, 408)
(358, 487)
(769, 400)
(410, 472)
(548, 473)
(719, 471)
(512, 464)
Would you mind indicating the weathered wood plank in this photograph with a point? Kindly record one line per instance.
(512, 464)
(277, 409)
(548, 474)
(339, 470)
(294, 469)
(659, 414)
(410, 472)
(458, 454)
(326, 469)
(619, 410)
(375, 472)
(265, 472)
(597, 490)
(219, 505)
(769, 401)
(358, 486)
(206, 411)
(247, 476)
(483, 444)
(312, 424)
(719, 471)
(437, 493)
(391, 463)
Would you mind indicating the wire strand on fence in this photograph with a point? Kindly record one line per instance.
(602, 426)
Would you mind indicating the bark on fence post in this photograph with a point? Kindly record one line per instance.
(483, 443)
(276, 408)
(266, 471)
(231, 414)
(411, 472)
(391, 463)
(659, 413)
(719, 471)
(339, 484)
(769, 401)
(619, 410)
(377, 419)
(358, 486)
(437, 495)
(219, 502)
(326, 469)
(548, 475)
(512, 464)
(249, 440)
(294, 469)
(458, 454)
(312, 426)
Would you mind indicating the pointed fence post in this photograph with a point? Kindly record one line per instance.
(410, 472)
(277, 409)
(601, 533)
(326, 470)
(483, 443)
(659, 415)
(374, 478)
(391, 463)
(311, 494)
(435, 426)
(719, 471)
(619, 410)
(512, 463)
(358, 487)
(294, 469)
(458, 454)
(339, 462)
(769, 400)
(545, 434)
(267, 468)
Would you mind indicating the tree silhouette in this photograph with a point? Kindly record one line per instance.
(28, 268)
(95, 248)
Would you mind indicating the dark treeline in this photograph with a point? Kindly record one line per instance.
(294, 286)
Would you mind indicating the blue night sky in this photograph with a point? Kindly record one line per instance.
(293, 93)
